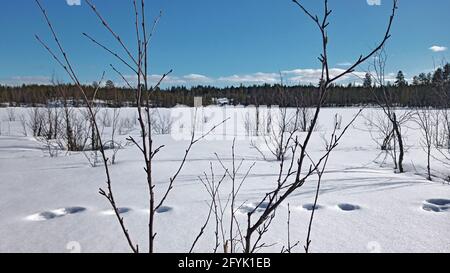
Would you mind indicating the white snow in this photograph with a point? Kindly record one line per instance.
(48, 203)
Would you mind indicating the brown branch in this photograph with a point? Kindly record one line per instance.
(117, 37)
(122, 76)
(110, 51)
(213, 190)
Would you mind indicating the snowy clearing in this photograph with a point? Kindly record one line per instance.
(52, 204)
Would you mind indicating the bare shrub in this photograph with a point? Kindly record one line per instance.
(439, 128)
(93, 157)
(282, 126)
(229, 234)
(50, 126)
(94, 144)
(423, 117)
(252, 122)
(279, 139)
(381, 133)
(35, 121)
(23, 124)
(384, 96)
(115, 124)
(125, 125)
(11, 113)
(161, 123)
(52, 147)
(106, 118)
(304, 112)
(45, 124)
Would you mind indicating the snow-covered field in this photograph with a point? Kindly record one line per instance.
(52, 204)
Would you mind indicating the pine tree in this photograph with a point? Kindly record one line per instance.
(424, 79)
(438, 77)
(367, 81)
(109, 84)
(400, 79)
(446, 73)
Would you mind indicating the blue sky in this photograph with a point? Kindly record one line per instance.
(222, 42)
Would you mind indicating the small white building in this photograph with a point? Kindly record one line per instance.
(222, 101)
(198, 101)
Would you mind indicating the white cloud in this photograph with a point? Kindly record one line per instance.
(436, 48)
(170, 80)
(197, 78)
(374, 2)
(190, 79)
(344, 64)
(73, 2)
(290, 77)
(307, 76)
(255, 78)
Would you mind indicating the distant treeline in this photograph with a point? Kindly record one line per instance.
(432, 89)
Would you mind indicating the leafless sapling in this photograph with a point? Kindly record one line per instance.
(385, 100)
(65, 63)
(285, 187)
(290, 246)
(215, 208)
(230, 235)
(423, 117)
(138, 64)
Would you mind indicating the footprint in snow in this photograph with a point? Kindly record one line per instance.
(56, 213)
(258, 207)
(348, 207)
(163, 209)
(310, 207)
(436, 205)
(111, 212)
